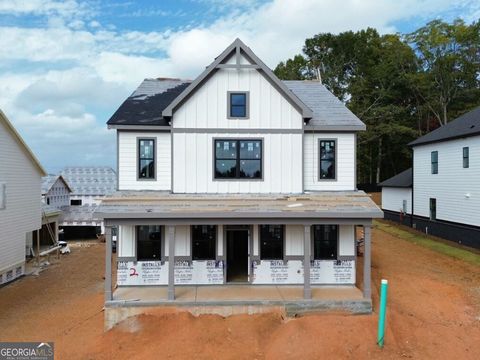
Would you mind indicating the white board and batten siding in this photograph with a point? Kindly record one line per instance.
(193, 170)
(393, 199)
(128, 161)
(20, 181)
(456, 189)
(345, 157)
(193, 154)
(207, 107)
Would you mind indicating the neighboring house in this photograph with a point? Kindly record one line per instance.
(236, 178)
(20, 206)
(446, 180)
(89, 184)
(397, 197)
(55, 191)
(444, 186)
(55, 196)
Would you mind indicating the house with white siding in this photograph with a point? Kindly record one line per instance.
(397, 197)
(236, 189)
(20, 205)
(446, 180)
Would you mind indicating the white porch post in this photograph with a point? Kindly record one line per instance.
(367, 234)
(307, 291)
(108, 263)
(171, 262)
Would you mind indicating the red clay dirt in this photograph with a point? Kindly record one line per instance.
(433, 312)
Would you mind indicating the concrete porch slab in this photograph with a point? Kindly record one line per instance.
(226, 300)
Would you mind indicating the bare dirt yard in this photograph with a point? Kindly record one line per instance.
(433, 313)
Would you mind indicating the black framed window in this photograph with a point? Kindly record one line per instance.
(434, 161)
(325, 242)
(466, 157)
(146, 158)
(149, 242)
(271, 242)
(204, 241)
(238, 159)
(238, 105)
(433, 209)
(328, 159)
(76, 202)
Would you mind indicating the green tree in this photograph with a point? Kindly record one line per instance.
(449, 67)
(297, 68)
(368, 72)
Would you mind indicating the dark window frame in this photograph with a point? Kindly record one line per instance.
(75, 202)
(434, 162)
(237, 159)
(138, 241)
(337, 241)
(153, 158)
(215, 244)
(229, 105)
(261, 246)
(335, 162)
(466, 157)
(433, 208)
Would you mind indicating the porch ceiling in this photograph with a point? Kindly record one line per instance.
(164, 205)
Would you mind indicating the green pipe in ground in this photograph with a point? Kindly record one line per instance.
(382, 313)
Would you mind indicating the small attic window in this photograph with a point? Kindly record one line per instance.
(238, 103)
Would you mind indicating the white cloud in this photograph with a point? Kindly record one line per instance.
(79, 70)
(65, 8)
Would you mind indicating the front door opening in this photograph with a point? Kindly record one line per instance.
(237, 255)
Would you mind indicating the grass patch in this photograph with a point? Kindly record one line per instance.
(425, 241)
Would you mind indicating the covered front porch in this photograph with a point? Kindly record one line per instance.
(174, 215)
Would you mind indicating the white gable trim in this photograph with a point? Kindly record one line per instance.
(237, 48)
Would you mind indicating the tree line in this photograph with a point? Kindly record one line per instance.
(400, 85)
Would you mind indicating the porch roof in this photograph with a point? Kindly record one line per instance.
(165, 205)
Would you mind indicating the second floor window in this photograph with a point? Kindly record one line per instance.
(434, 161)
(146, 159)
(238, 159)
(328, 159)
(238, 105)
(466, 160)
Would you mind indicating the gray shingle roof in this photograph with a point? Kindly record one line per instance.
(91, 180)
(466, 125)
(145, 105)
(328, 111)
(403, 179)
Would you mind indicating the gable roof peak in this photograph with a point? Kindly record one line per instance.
(238, 46)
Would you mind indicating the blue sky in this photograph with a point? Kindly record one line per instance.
(66, 66)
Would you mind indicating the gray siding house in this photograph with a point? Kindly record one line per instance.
(20, 205)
